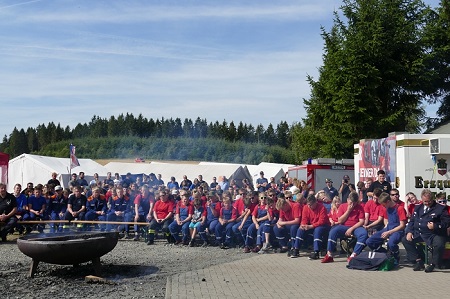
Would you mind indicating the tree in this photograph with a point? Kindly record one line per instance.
(369, 84)
(437, 79)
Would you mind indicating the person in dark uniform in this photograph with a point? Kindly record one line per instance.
(379, 183)
(76, 207)
(428, 224)
(8, 208)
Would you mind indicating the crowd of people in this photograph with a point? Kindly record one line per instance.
(286, 215)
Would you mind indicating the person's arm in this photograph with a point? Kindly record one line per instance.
(5, 217)
(344, 217)
(400, 227)
(350, 231)
(375, 223)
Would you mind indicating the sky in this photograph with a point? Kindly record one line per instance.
(64, 61)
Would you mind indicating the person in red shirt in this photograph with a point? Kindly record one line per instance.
(288, 221)
(314, 222)
(351, 220)
(395, 222)
(333, 215)
(162, 217)
(373, 213)
(412, 202)
(224, 229)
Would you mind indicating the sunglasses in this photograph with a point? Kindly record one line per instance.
(262, 197)
(395, 194)
(288, 197)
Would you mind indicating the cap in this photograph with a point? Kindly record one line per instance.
(58, 188)
(328, 181)
(116, 181)
(212, 193)
(294, 190)
(346, 177)
(175, 192)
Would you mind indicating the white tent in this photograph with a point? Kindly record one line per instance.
(178, 170)
(38, 169)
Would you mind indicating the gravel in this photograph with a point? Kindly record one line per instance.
(132, 270)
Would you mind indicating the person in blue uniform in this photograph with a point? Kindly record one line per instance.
(76, 207)
(224, 229)
(428, 224)
(120, 210)
(96, 208)
(36, 209)
(183, 215)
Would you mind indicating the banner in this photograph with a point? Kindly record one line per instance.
(73, 159)
(377, 154)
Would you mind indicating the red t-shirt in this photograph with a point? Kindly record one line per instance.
(293, 212)
(374, 209)
(162, 209)
(355, 215)
(316, 217)
(400, 212)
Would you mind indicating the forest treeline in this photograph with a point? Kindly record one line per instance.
(127, 136)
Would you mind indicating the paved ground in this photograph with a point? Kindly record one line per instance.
(276, 275)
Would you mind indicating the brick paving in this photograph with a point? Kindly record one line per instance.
(277, 276)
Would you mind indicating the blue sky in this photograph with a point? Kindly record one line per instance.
(65, 60)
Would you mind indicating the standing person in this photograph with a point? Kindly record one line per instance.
(428, 224)
(81, 180)
(314, 222)
(330, 191)
(73, 182)
(54, 181)
(261, 182)
(95, 180)
(351, 220)
(213, 184)
(185, 183)
(345, 188)
(8, 208)
(22, 205)
(76, 207)
(162, 217)
(379, 183)
(395, 223)
(107, 181)
(223, 183)
(173, 184)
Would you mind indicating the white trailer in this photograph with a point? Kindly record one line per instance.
(412, 161)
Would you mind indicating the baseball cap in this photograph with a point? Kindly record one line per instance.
(328, 181)
(174, 192)
(346, 177)
(58, 188)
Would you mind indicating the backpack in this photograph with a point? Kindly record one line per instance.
(367, 260)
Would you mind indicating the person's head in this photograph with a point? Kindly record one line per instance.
(58, 190)
(311, 201)
(261, 173)
(255, 196)
(262, 198)
(288, 195)
(329, 183)
(30, 186)
(74, 176)
(226, 202)
(81, 175)
(384, 199)
(214, 179)
(353, 197)
(411, 198)
(54, 175)
(247, 201)
(367, 182)
(242, 192)
(17, 188)
(77, 191)
(282, 203)
(95, 176)
(108, 175)
(197, 202)
(95, 192)
(376, 194)
(335, 203)
(272, 194)
(184, 177)
(395, 195)
(163, 195)
(2, 189)
(346, 179)
(440, 198)
(38, 191)
(381, 175)
(200, 178)
(120, 191)
(360, 185)
(212, 196)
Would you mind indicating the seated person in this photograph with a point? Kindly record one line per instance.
(8, 209)
(395, 222)
(314, 222)
(36, 209)
(288, 221)
(350, 219)
(198, 219)
(261, 217)
(57, 208)
(120, 210)
(143, 208)
(96, 208)
(373, 213)
(162, 217)
(428, 224)
(212, 206)
(224, 229)
(183, 215)
(76, 207)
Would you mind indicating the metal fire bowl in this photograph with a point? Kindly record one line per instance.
(67, 248)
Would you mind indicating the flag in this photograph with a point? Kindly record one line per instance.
(73, 159)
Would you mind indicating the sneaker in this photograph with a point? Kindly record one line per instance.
(349, 259)
(205, 244)
(429, 268)
(247, 249)
(284, 249)
(419, 266)
(314, 255)
(150, 242)
(290, 253)
(295, 254)
(327, 259)
(192, 243)
(136, 238)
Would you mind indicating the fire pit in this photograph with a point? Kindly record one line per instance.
(67, 248)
